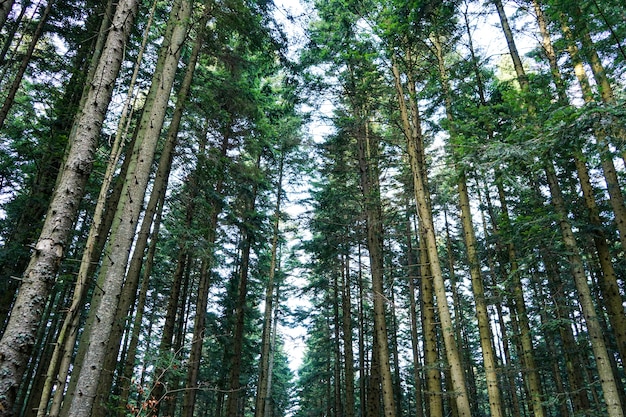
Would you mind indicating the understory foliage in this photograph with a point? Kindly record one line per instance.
(337, 208)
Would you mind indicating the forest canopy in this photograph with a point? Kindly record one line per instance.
(314, 208)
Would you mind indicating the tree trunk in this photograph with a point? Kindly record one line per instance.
(268, 409)
(605, 371)
(415, 148)
(338, 403)
(346, 305)
(432, 369)
(247, 238)
(105, 301)
(482, 313)
(263, 393)
(363, 398)
(412, 275)
(17, 80)
(39, 277)
(157, 195)
(368, 167)
(131, 354)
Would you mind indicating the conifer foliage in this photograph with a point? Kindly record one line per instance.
(434, 197)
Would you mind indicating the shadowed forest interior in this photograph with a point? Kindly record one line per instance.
(314, 208)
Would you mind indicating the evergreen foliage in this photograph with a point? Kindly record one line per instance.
(397, 214)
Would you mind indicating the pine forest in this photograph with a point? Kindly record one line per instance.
(312, 208)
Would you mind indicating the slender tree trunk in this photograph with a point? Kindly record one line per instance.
(17, 81)
(263, 394)
(113, 270)
(533, 379)
(363, 398)
(374, 381)
(412, 274)
(368, 166)
(432, 369)
(422, 197)
(39, 277)
(397, 378)
(337, 403)
(346, 305)
(268, 409)
(482, 313)
(198, 337)
(233, 401)
(9, 38)
(605, 371)
(131, 354)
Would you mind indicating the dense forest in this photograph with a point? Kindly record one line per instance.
(332, 208)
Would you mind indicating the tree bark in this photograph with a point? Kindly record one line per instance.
(482, 313)
(17, 80)
(40, 275)
(370, 187)
(605, 371)
(106, 298)
(412, 132)
(412, 276)
(263, 393)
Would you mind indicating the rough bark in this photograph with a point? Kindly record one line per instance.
(601, 355)
(40, 275)
(106, 298)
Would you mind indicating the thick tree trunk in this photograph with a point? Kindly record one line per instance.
(27, 226)
(157, 195)
(39, 277)
(106, 298)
